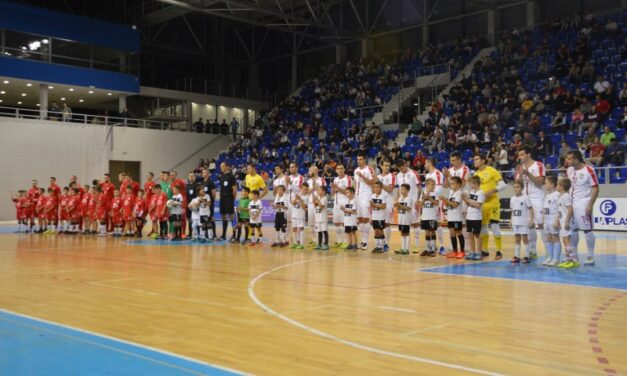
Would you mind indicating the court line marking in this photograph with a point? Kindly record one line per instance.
(397, 309)
(267, 309)
(114, 339)
(408, 334)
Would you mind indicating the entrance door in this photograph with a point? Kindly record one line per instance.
(131, 168)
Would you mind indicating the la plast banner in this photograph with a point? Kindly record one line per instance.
(610, 213)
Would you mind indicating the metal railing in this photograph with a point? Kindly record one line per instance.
(36, 114)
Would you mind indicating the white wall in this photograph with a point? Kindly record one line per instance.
(33, 149)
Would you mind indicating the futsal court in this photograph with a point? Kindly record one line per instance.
(84, 305)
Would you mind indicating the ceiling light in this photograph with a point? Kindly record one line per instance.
(109, 94)
(37, 105)
(3, 92)
(62, 98)
(23, 94)
(71, 89)
(0, 100)
(5, 82)
(34, 45)
(44, 41)
(91, 92)
(50, 87)
(19, 102)
(80, 100)
(29, 84)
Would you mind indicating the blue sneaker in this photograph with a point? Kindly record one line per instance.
(442, 250)
(469, 256)
(477, 257)
(386, 248)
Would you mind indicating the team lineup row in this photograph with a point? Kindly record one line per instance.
(469, 204)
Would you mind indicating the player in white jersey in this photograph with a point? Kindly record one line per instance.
(378, 208)
(314, 182)
(405, 206)
(429, 217)
(460, 170)
(280, 216)
(321, 218)
(532, 174)
(438, 177)
(293, 182)
(364, 180)
(410, 177)
(551, 223)
(474, 198)
(338, 190)
(522, 219)
(299, 203)
(584, 192)
(565, 210)
(388, 181)
(455, 216)
(350, 219)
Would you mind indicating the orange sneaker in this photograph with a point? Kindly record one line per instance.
(451, 254)
(460, 255)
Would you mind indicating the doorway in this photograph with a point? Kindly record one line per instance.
(131, 168)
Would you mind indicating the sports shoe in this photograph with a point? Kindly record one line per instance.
(274, 245)
(442, 250)
(417, 251)
(432, 254)
(451, 254)
(343, 245)
(404, 251)
(386, 248)
(364, 246)
(525, 260)
(533, 255)
(552, 263)
(293, 246)
(485, 254)
(317, 247)
(324, 247)
(349, 247)
(564, 263)
(477, 257)
(469, 256)
(377, 250)
(398, 251)
(572, 264)
(498, 256)
(589, 261)
(424, 253)
(460, 255)
(515, 260)
(300, 246)
(547, 261)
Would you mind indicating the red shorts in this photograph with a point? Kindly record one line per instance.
(117, 219)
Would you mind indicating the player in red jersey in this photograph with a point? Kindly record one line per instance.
(128, 204)
(140, 210)
(180, 183)
(20, 201)
(63, 213)
(53, 214)
(101, 211)
(160, 211)
(115, 213)
(148, 186)
(73, 210)
(50, 211)
(40, 205)
(91, 212)
(106, 197)
(84, 210)
(33, 195)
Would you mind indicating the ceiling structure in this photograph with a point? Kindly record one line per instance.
(217, 40)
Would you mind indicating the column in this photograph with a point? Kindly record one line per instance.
(493, 25)
(43, 101)
(425, 35)
(366, 47)
(533, 13)
(340, 54)
(253, 80)
(121, 103)
(294, 82)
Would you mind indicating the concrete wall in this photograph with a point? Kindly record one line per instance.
(33, 149)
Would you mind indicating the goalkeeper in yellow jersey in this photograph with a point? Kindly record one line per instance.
(491, 184)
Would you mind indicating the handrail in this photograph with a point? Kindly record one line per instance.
(36, 114)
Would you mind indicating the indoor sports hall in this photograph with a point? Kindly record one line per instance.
(330, 187)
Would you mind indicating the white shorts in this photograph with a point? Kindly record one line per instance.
(538, 206)
(581, 220)
(322, 226)
(363, 208)
(311, 216)
(298, 222)
(338, 215)
(520, 230)
(549, 228)
(565, 233)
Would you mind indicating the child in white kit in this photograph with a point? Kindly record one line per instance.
(522, 220)
(404, 204)
(551, 228)
(321, 219)
(349, 208)
(565, 208)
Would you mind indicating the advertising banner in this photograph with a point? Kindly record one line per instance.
(610, 214)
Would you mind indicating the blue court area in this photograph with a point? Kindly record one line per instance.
(610, 271)
(186, 243)
(32, 347)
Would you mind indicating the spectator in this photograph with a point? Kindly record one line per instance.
(207, 126)
(564, 149)
(597, 150)
(622, 96)
(198, 126)
(54, 111)
(607, 136)
(601, 86)
(603, 107)
(503, 161)
(215, 127)
(234, 127)
(66, 112)
(614, 153)
(559, 122)
(543, 147)
(224, 127)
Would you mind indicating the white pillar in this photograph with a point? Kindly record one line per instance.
(121, 103)
(366, 47)
(533, 13)
(43, 101)
(425, 35)
(294, 83)
(340, 53)
(493, 24)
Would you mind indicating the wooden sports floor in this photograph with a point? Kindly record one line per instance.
(281, 312)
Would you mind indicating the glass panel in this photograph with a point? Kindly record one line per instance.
(26, 46)
(70, 49)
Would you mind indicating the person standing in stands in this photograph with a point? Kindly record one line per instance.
(234, 126)
(228, 192)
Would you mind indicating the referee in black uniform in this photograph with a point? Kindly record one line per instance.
(228, 192)
(210, 190)
(190, 188)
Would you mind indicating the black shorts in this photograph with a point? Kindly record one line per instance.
(350, 229)
(280, 221)
(205, 219)
(175, 217)
(378, 225)
(255, 225)
(429, 225)
(455, 225)
(404, 229)
(474, 227)
(227, 205)
(188, 213)
(240, 219)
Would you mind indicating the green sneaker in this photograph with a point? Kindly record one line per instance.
(564, 263)
(299, 246)
(404, 251)
(572, 264)
(294, 246)
(343, 245)
(324, 247)
(317, 247)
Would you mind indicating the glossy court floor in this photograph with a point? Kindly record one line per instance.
(73, 305)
